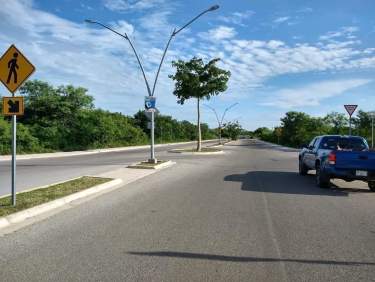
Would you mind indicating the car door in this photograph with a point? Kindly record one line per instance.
(314, 151)
(309, 158)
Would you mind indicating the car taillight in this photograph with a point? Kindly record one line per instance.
(332, 158)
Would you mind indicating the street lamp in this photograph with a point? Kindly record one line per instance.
(220, 121)
(149, 92)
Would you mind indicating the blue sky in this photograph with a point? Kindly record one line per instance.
(311, 56)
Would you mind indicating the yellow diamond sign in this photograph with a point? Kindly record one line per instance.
(15, 68)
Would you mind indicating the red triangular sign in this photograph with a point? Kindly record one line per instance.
(350, 109)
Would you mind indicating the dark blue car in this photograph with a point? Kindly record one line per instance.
(336, 156)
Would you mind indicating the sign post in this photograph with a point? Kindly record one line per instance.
(15, 69)
(350, 109)
(150, 106)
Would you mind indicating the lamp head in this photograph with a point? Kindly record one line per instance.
(213, 8)
(89, 21)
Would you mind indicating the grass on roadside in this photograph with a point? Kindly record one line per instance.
(36, 197)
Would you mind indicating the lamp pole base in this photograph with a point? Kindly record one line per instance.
(153, 161)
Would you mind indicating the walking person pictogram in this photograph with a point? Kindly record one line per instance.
(12, 66)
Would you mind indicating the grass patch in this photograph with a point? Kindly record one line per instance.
(194, 150)
(36, 197)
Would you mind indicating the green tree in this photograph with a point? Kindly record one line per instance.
(338, 123)
(362, 124)
(232, 130)
(264, 133)
(141, 120)
(195, 79)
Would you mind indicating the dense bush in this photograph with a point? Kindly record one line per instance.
(64, 119)
(298, 128)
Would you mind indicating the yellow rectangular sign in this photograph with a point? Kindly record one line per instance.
(15, 69)
(13, 106)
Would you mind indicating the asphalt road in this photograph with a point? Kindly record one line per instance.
(38, 172)
(243, 216)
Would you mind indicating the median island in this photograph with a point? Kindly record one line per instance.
(194, 150)
(40, 196)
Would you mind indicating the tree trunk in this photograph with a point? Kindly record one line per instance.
(199, 145)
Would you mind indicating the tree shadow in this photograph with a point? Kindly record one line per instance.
(263, 146)
(187, 255)
(287, 183)
(269, 146)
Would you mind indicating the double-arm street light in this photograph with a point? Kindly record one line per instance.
(220, 121)
(149, 91)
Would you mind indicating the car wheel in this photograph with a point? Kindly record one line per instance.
(322, 180)
(371, 185)
(302, 168)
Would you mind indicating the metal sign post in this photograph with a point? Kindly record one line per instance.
(350, 109)
(150, 106)
(15, 69)
(14, 161)
(13, 106)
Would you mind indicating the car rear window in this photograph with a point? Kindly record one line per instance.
(344, 143)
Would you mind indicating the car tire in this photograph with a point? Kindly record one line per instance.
(302, 168)
(371, 185)
(322, 180)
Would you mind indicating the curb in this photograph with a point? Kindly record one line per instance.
(40, 209)
(160, 166)
(198, 153)
(91, 152)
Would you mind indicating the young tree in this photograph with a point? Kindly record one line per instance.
(195, 79)
(232, 130)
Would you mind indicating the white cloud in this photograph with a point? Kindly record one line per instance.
(281, 20)
(237, 18)
(219, 33)
(343, 32)
(127, 5)
(312, 94)
(305, 10)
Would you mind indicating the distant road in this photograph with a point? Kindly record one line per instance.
(243, 216)
(38, 172)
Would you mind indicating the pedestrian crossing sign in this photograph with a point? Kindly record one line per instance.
(13, 106)
(15, 69)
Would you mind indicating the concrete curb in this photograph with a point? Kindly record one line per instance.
(91, 152)
(40, 209)
(157, 166)
(197, 153)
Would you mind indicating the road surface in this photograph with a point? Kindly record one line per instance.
(38, 172)
(243, 216)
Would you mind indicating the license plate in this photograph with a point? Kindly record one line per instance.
(361, 173)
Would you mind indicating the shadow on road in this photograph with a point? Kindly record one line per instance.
(286, 182)
(246, 259)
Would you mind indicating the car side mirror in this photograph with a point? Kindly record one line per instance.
(304, 146)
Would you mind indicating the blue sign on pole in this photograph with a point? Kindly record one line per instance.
(150, 103)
